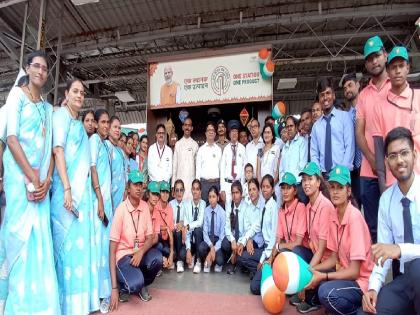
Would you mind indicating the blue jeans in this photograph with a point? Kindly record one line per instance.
(340, 297)
(369, 194)
(132, 279)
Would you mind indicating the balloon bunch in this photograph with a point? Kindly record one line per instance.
(289, 274)
(279, 115)
(267, 65)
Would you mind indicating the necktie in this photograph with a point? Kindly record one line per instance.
(212, 227)
(309, 148)
(262, 218)
(233, 173)
(236, 224)
(357, 162)
(178, 210)
(195, 214)
(328, 152)
(408, 227)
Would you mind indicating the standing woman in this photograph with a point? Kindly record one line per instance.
(88, 119)
(101, 182)
(142, 157)
(26, 248)
(72, 214)
(130, 155)
(118, 167)
(268, 159)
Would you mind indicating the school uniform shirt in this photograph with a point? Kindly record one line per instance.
(182, 210)
(123, 231)
(189, 218)
(230, 230)
(162, 217)
(342, 140)
(183, 163)
(318, 219)
(294, 157)
(279, 143)
(351, 240)
(160, 163)
(292, 222)
(253, 215)
(227, 170)
(391, 228)
(270, 161)
(245, 194)
(251, 152)
(269, 228)
(208, 161)
(405, 112)
(219, 225)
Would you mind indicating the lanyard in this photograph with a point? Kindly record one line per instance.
(160, 154)
(311, 221)
(289, 233)
(136, 228)
(340, 239)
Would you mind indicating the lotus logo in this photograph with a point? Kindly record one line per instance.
(220, 80)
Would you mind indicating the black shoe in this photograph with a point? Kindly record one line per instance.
(230, 270)
(305, 307)
(144, 294)
(295, 300)
(124, 296)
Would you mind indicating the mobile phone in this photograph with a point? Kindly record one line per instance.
(105, 221)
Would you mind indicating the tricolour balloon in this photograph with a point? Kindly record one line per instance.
(272, 298)
(291, 273)
(263, 55)
(279, 110)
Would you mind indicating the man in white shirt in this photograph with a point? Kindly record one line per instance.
(185, 153)
(398, 233)
(232, 163)
(159, 157)
(208, 162)
(254, 145)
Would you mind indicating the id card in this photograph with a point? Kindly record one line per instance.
(136, 244)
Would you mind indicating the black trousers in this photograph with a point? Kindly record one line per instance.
(196, 239)
(180, 251)
(204, 249)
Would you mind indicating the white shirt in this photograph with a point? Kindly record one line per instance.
(185, 152)
(270, 161)
(229, 230)
(159, 163)
(3, 123)
(189, 218)
(251, 151)
(294, 157)
(226, 165)
(208, 161)
(391, 228)
(182, 210)
(269, 228)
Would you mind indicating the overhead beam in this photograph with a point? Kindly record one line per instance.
(112, 79)
(6, 3)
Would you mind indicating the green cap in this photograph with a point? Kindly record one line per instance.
(153, 187)
(289, 179)
(164, 186)
(311, 169)
(136, 177)
(398, 52)
(340, 174)
(372, 45)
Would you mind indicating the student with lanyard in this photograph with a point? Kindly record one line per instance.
(72, 212)
(234, 226)
(159, 157)
(318, 212)
(268, 226)
(163, 224)
(398, 233)
(340, 291)
(118, 167)
(101, 182)
(133, 262)
(194, 219)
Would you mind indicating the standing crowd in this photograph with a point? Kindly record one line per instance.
(93, 216)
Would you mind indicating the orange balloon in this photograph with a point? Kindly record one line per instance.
(281, 272)
(263, 53)
(270, 65)
(282, 107)
(273, 300)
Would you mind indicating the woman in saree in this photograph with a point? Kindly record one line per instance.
(101, 182)
(72, 215)
(27, 272)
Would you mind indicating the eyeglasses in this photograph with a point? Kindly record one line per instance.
(210, 130)
(38, 66)
(160, 133)
(289, 126)
(404, 154)
(178, 190)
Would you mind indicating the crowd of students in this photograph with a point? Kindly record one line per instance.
(93, 216)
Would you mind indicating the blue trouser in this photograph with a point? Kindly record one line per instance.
(163, 246)
(401, 296)
(369, 195)
(132, 279)
(196, 239)
(340, 297)
(204, 249)
(248, 261)
(180, 251)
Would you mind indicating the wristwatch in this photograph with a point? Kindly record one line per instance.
(30, 187)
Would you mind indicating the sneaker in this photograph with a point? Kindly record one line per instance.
(124, 296)
(144, 294)
(197, 267)
(295, 300)
(179, 266)
(218, 268)
(159, 273)
(305, 307)
(206, 268)
(230, 269)
(104, 306)
(191, 266)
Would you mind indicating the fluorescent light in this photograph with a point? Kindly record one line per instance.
(82, 2)
(125, 96)
(288, 83)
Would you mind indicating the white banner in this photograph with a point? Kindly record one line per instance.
(208, 81)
